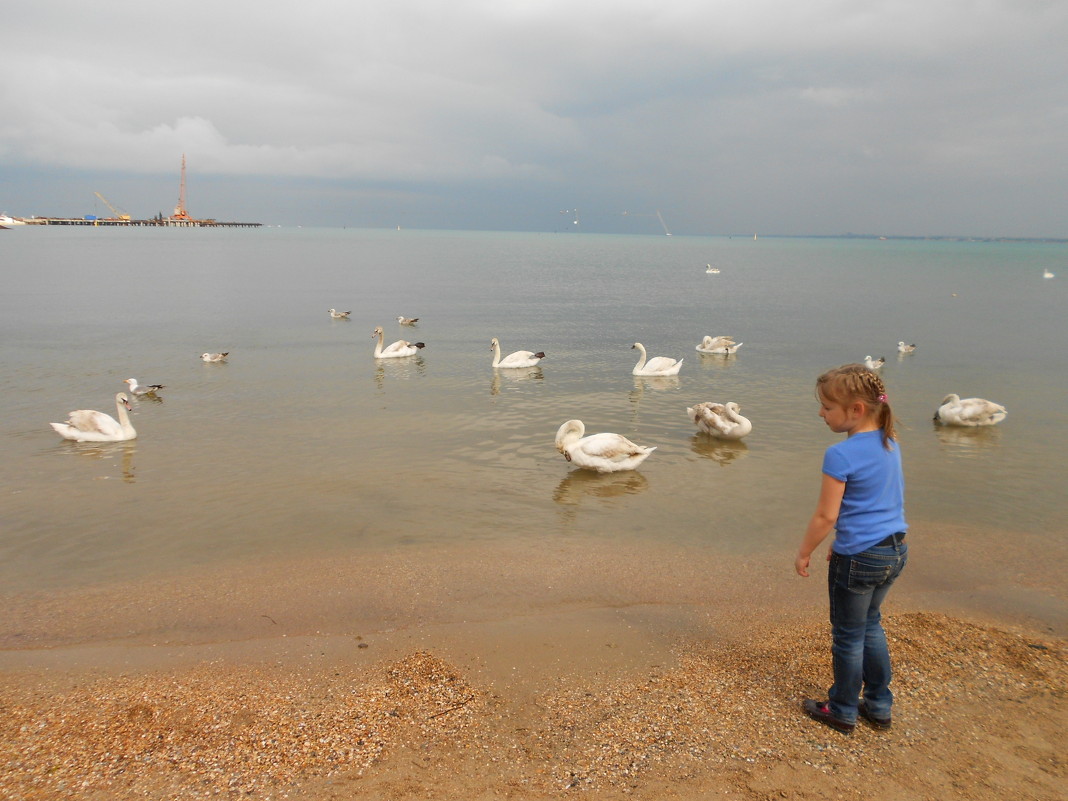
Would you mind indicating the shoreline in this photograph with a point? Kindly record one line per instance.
(438, 720)
(958, 570)
(446, 673)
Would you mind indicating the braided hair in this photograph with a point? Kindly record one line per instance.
(855, 382)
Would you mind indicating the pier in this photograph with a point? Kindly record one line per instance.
(179, 219)
(156, 222)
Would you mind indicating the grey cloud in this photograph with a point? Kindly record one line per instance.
(730, 115)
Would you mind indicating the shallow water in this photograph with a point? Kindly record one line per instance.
(302, 443)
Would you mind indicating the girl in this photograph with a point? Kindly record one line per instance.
(862, 499)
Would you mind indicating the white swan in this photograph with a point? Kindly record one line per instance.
(399, 348)
(1047, 273)
(214, 357)
(407, 320)
(521, 358)
(719, 420)
(903, 348)
(85, 425)
(955, 411)
(605, 453)
(142, 389)
(874, 364)
(718, 345)
(658, 365)
(338, 315)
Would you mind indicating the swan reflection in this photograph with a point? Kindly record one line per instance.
(580, 484)
(721, 451)
(657, 382)
(398, 369)
(642, 383)
(513, 375)
(965, 441)
(107, 451)
(718, 361)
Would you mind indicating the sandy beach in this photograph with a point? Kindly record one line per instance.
(474, 673)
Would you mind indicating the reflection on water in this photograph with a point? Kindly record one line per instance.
(502, 376)
(720, 451)
(657, 383)
(967, 441)
(650, 385)
(149, 398)
(400, 369)
(718, 360)
(581, 484)
(107, 451)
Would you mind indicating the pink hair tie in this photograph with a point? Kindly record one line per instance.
(882, 399)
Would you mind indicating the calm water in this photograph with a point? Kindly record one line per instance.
(303, 443)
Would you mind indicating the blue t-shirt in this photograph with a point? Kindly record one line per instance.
(873, 506)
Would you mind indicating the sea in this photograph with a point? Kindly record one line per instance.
(302, 443)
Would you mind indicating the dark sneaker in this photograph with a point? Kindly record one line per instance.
(876, 723)
(821, 711)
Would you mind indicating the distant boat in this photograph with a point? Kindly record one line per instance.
(1045, 273)
(711, 269)
(7, 222)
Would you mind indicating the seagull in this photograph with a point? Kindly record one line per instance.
(142, 389)
(214, 357)
(339, 315)
(407, 320)
(874, 364)
(903, 348)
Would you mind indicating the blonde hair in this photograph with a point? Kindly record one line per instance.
(855, 382)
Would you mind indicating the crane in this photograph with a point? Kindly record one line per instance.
(179, 211)
(118, 214)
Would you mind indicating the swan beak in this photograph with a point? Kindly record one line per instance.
(567, 456)
(126, 403)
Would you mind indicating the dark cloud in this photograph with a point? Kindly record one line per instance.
(902, 117)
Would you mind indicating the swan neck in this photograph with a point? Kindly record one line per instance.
(124, 416)
(496, 353)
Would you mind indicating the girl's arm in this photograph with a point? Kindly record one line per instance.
(822, 522)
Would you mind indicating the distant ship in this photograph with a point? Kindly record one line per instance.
(7, 222)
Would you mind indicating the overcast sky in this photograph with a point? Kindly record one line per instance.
(897, 117)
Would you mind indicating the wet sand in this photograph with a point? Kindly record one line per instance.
(529, 673)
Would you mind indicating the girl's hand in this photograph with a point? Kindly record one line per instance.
(801, 565)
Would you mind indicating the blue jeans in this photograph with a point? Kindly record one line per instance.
(857, 585)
